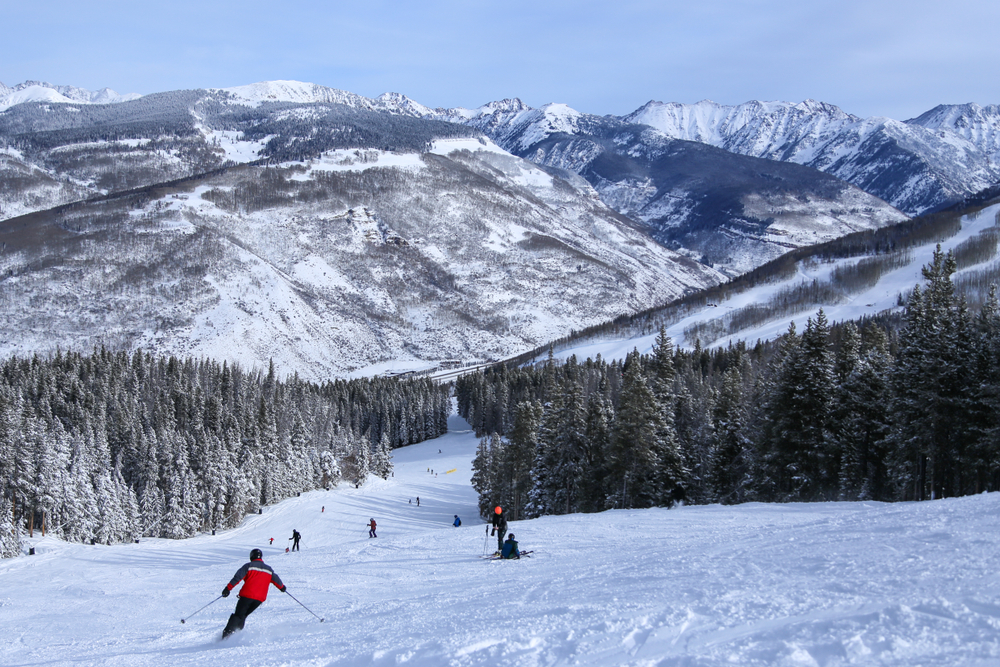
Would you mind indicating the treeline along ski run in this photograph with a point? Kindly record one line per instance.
(109, 447)
(902, 409)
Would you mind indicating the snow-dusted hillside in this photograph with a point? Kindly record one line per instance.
(717, 322)
(753, 585)
(354, 259)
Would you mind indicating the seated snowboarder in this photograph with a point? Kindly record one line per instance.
(257, 577)
(457, 522)
(510, 549)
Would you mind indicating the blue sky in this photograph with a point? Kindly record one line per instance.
(890, 58)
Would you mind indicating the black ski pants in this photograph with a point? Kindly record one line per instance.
(244, 607)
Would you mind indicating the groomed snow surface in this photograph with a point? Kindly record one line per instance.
(801, 584)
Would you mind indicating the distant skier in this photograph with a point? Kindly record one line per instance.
(678, 496)
(371, 529)
(418, 501)
(457, 522)
(499, 526)
(510, 549)
(257, 576)
(272, 541)
(295, 539)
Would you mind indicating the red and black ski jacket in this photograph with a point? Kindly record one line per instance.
(257, 576)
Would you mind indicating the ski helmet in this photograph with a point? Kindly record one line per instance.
(497, 510)
(256, 554)
(511, 536)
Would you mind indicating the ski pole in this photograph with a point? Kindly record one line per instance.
(215, 600)
(303, 606)
(486, 539)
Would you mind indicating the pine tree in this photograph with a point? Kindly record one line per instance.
(861, 418)
(523, 449)
(932, 410)
(633, 465)
(733, 460)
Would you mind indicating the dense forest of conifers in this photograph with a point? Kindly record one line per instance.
(110, 447)
(907, 411)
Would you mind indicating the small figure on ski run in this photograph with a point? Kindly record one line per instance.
(678, 496)
(418, 501)
(457, 522)
(499, 522)
(510, 549)
(371, 528)
(272, 541)
(256, 576)
(322, 509)
(295, 539)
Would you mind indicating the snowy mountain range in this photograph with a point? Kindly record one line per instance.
(917, 166)
(729, 210)
(336, 233)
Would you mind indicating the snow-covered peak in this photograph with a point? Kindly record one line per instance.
(504, 108)
(401, 104)
(296, 92)
(561, 117)
(692, 122)
(978, 124)
(108, 96)
(32, 94)
(41, 91)
(713, 123)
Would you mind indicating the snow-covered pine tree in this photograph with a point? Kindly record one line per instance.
(522, 450)
(733, 456)
(10, 534)
(861, 415)
(633, 466)
(931, 381)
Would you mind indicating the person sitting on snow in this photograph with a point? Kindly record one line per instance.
(510, 549)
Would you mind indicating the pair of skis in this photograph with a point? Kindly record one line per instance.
(524, 554)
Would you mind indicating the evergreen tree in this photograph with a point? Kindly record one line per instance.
(633, 465)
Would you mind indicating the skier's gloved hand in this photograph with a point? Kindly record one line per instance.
(225, 592)
(285, 589)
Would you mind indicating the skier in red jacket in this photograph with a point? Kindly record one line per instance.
(257, 577)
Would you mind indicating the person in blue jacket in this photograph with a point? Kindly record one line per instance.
(510, 549)
(457, 522)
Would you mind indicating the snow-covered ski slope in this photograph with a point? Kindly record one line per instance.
(822, 584)
(884, 296)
